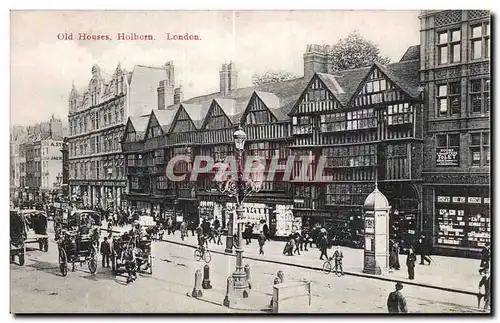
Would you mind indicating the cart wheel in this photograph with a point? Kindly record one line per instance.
(92, 265)
(63, 262)
(46, 245)
(207, 256)
(21, 259)
(92, 262)
(197, 254)
(150, 262)
(327, 267)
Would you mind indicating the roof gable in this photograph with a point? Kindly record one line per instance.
(321, 94)
(263, 107)
(196, 112)
(383, 84)
(165, 117)
(152, 123)
(216, 118)
(182, 122)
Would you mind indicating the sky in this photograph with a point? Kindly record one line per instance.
(44, 67)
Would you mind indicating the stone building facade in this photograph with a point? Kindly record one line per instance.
(455, 72)
(97, 118)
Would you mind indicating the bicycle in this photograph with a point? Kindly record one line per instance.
(202, 253)
(328, 267)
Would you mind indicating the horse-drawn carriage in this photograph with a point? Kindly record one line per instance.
(36, 225)
(139, 242)
(27, 226)
(78, 240)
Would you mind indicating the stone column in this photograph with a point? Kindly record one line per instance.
(114, 197)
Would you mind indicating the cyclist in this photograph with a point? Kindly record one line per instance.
(201, 238)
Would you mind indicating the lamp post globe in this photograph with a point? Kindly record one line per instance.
(239, 138)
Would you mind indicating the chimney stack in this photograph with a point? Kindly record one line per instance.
(169, 67)
(317, 58)
(228, 78)
(178, 95)
(165, 95)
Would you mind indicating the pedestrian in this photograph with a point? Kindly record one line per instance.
(291, 247)
(485, 258)
(338, 256)
(192, 226)
(396, 302)
(410, 263)
(423, 250)
(248, 233)
(394, 256)
(183, 230)
(211, 234)
(305, 240)
(169, 225)
(265, 231)
(216, 223)
(323, 245)
(485, 281)
(262, 240)
(298, 243)
(218, 235)
(161, 231)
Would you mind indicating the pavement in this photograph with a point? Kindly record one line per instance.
(38, 286)
(460, 274)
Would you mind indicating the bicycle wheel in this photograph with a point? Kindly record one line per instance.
(197, 254)
(327, 267)
(207, 256)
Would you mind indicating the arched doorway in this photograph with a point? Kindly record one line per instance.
(404, 214)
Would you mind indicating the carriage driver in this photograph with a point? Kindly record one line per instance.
(128, 257)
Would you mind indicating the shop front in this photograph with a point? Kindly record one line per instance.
(462, 217)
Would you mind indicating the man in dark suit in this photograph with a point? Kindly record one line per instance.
(396, 302)
(410, 263)
(105, 252)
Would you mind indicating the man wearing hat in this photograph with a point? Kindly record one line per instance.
(485, 281)
(396, 302)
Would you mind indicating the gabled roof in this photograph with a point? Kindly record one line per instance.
(196, 112)
(412, 53)
(139, 124)
(405, 75)
(272, 102)
(233, 109)
(349, 80)
(287, 92)
(165, 117)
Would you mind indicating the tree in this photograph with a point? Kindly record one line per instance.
(270, 76)
(355, 51)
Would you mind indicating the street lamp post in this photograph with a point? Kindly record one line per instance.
(240, 188)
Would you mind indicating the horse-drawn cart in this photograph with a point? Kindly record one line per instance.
(79, 240)
(36, 225)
